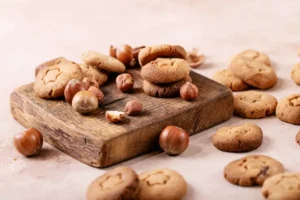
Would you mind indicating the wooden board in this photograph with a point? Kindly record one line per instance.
(96, 142)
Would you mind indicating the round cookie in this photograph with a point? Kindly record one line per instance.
(253, 72)
(119, 183)
(288, 109)
(242, 138)
(255, 55)
(149, 54)
(165, 70)
(283, 186)
(162, 184)
(50, 63)
(51, 81)
(164, 90)
(93, 73)
(226, 78)
(295, 74)
(252, 170)
(103, 62)
(254, 105)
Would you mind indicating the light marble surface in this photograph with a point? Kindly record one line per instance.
(35, 30)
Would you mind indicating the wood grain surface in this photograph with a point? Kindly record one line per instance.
(96, 142)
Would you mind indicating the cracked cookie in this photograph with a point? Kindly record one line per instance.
(93, 73)
(284, 186)
(295, 74)
(255, 55)
(254, 105)
(51, 81)
(288, 109)
(242, 138)
(50, 63)
(165, 70)
(252, 170)
(103, 62)
(162, 184)
(226, 78)
(119, 183)
(149, 54)
(253, 72)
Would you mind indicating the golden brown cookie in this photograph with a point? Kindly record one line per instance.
(242, 138)
(149, 54)
(226, 78)
(49, 63)
(93, 73)
(254, 73)
(255, 55)
(295, 74)
(51, 81)
(252, 170)
(288, 109)
(254, 105)
(119, 183)
(162, 184)
(165, 70)
(283, 186)
(103, 62)
(164, 90)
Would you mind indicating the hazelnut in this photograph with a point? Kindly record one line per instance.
(97, 92)
(123, 53)
(136, 51)
(133, 107)
(189, 91)
(85, 102)
(173, 140)
(195, 59)
(72, 88)
(29, 142)
(88, 82)
(114, 116)
(125, 82)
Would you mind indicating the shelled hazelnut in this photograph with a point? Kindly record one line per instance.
(125, 82)
(114, 116)
(29, 143)
(88, 82)
(133, 107)
(72, 88)
(97, 92)
(123, 53)
(189, 91)
(85, 102)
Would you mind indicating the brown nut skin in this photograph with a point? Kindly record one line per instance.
(123, 53)
(85, 102)
(97, 92)
(72, 88)
(195, 59)
(125, 82)
(136, 51)
(29, 143)
(133, 107)
(88, 82)
(114, 116)
(189, 91)
(173, 140)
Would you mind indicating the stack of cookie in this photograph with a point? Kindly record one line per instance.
(164, 70)
(248, 68)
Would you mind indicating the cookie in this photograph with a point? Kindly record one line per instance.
(254, 105)
(283, 186)
(51, 81)
(165, 70)
(295, 74)
(149, 54)
(226, 78)
(242, 138)
(252, 170)
(253, 72)
(93, 73)
(49, 63)
(119, 183)
(164, 90)
(162, 184)
(255, 55)
(103, 62)
(288, 109)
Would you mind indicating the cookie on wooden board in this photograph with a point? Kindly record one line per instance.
(252, 170)
(162, 184)
(283, 186)
(226, 78)
(119, 183)
(49, 63)
(254, 105)
(255, 55)
(295, 74)
(242, 138)
(93, 73)
(288, 109)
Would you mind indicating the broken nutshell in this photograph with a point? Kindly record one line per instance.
(114, 116)
(194, 58)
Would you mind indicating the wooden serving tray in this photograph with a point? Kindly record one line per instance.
(96, 142)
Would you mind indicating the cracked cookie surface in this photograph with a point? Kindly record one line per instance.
(295, 74)
(255, 55)
(93, 73)
(254, 105)
(242, 138)
(226, 78)
(119, 183)
(252, 170)
(51, 81)
(288, 109)
(162, 184)
(284, 186)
